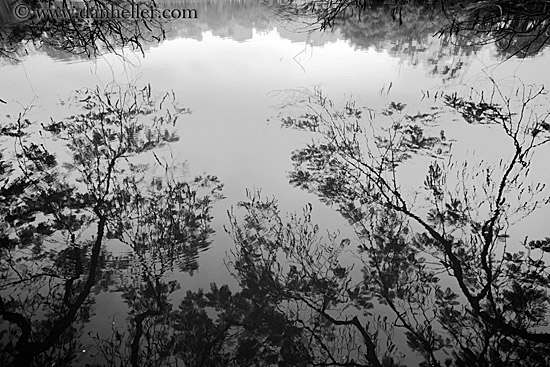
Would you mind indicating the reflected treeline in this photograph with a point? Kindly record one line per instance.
(405, 26)
(410, 38)
(73, 35)
(61, 220)
(81, 38)
(405, 30)
(517, 28)
(432, 269)
(233, 19)
(68, 38)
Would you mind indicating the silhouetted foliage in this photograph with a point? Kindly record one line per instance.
(434, 262)
(73, 34)
(291, 265)
(443, 265)
(214, 328)
(60, 220)
(516, 27)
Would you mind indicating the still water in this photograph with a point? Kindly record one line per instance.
(233, 67)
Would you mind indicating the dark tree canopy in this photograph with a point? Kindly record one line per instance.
(431, 276)
(518, 28)
(61, 219)
(73, 34)
(438, 257)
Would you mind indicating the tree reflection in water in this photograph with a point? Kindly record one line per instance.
(75, 35)
(60, 220)
(72, 38)
(442, 278)
(438, 257)
(517, 28)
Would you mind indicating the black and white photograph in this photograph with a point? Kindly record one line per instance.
(274, 183)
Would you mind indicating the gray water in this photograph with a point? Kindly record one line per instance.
(231, 67)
